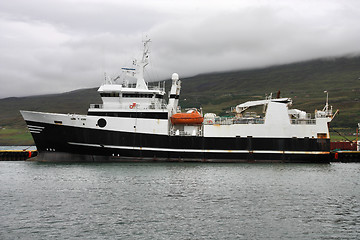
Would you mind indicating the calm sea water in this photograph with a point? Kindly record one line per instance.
(179, 201)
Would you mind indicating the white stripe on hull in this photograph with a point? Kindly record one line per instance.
(196, 150)
(32, 131)
(36, 127)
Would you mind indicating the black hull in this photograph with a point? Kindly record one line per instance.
(65, 143)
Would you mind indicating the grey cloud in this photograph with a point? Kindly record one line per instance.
(87, 17)
(56, 46)
(256, 37)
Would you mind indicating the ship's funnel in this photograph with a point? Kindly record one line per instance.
(174, 93)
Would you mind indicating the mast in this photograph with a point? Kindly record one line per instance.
(140, 83)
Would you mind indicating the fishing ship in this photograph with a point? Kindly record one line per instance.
(138, 122)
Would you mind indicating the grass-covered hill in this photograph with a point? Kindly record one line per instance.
(304, 82)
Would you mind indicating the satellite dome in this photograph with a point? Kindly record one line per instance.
(175, 76)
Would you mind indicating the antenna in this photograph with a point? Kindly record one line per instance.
(145, 58)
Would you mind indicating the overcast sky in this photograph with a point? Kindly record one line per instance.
(52, 46)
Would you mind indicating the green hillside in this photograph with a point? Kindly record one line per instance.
(304, 82)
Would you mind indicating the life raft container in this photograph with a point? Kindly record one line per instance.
(192, 118)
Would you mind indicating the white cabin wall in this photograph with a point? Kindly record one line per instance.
(143, 125)
(263, 130)
(128, 103)
(277, 115)
(277, 124)
(110, 102)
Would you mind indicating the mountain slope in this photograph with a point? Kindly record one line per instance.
(304, 82)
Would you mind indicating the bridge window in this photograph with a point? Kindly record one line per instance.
(137, 95)
(112, 94)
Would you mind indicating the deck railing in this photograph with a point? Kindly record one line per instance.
(137, 106)
(229, 121)
(303, 121)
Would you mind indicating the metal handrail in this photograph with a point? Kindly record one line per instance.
(303, 121)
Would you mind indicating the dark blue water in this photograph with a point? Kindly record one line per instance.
(179, 201)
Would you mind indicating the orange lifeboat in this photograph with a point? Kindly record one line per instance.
(192, 117)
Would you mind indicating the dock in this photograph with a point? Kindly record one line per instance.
(345, 156)
(17, 155)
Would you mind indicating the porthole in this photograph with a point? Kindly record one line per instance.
(101, 122)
